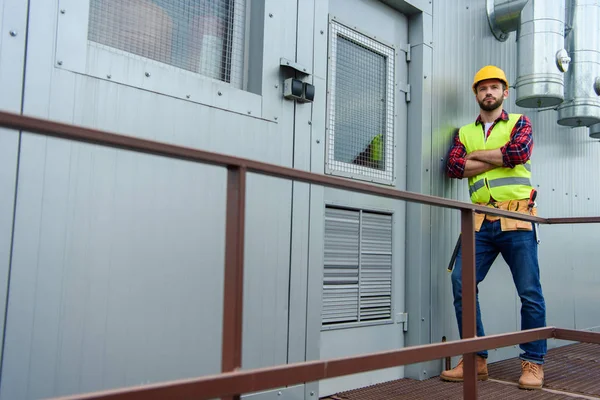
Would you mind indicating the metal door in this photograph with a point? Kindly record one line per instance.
(357, 253)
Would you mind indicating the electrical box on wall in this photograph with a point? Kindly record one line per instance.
(295, 89)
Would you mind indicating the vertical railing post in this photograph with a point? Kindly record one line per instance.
(233, 292)
(469, 311)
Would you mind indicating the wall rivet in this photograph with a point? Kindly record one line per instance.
(63, 11)
(188, 96)
(109, 76)
(312, 393)
(276, 86)
(220, 94)
(270, 15)
(275, 118)
(278, 393)
(310, 122)
(59, 62)
(422, 319)
(12, 33)
(322, 32)
(249, 112)
(147, 74)
(318, 141)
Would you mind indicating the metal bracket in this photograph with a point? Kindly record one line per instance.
(405, 87)
(405, 48)
(402, 318)
(284, 62)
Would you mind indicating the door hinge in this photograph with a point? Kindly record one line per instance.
(402, 318)
(406, 48)
(405, 87)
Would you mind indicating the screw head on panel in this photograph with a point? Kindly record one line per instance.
(59, 62)
(12, 33)
(147, 74)
(63, 11)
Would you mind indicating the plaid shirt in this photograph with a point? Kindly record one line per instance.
(516, 151)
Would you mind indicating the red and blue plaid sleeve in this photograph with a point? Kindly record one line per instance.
(518, 149)
(455, 166)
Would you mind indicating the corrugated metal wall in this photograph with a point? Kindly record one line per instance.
(565, 169)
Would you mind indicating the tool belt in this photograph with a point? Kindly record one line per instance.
(507, 224)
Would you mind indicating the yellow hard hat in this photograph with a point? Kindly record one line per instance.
(489, 72)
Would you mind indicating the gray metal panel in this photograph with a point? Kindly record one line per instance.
(387, 25)
(353, 341)
(301, 192)
(112, 266)
(317, 200)
(267, 273)
(418, 222)
(13, 25)
(60, 94)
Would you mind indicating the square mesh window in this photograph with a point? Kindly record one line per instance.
(361, 107)
(202, 36)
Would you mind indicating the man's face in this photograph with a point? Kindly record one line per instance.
(490, 94)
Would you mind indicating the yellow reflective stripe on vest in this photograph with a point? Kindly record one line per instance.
(476, 186)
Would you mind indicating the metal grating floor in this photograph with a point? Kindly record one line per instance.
(574, 368)
(571, 372)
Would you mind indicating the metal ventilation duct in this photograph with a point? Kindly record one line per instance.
(595, 131)
(504, 16)
(542, 58)
(582, 102)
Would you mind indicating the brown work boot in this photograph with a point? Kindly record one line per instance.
(456, 374)
(532, 375)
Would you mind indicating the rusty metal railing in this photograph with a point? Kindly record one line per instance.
(233, 382)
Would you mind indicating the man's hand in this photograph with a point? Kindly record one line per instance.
(493, 157)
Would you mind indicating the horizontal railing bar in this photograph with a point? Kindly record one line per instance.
(253, 380)
(107, 139)
(577, 336)
(574, 220)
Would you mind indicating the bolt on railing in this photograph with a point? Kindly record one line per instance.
(233, 382)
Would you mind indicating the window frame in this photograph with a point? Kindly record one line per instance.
(389, 51)
(365, 323)
(75, 53)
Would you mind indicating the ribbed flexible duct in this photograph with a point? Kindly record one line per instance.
(595, 131)
(582, 104)
(540, 47)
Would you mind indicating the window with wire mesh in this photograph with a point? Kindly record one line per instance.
(202, 36)
(361, 106)
(357, 273)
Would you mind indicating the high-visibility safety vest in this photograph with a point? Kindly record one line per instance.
(500, 183)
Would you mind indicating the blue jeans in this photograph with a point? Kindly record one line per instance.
(519, 250)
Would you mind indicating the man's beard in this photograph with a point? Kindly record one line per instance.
(490, 106)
